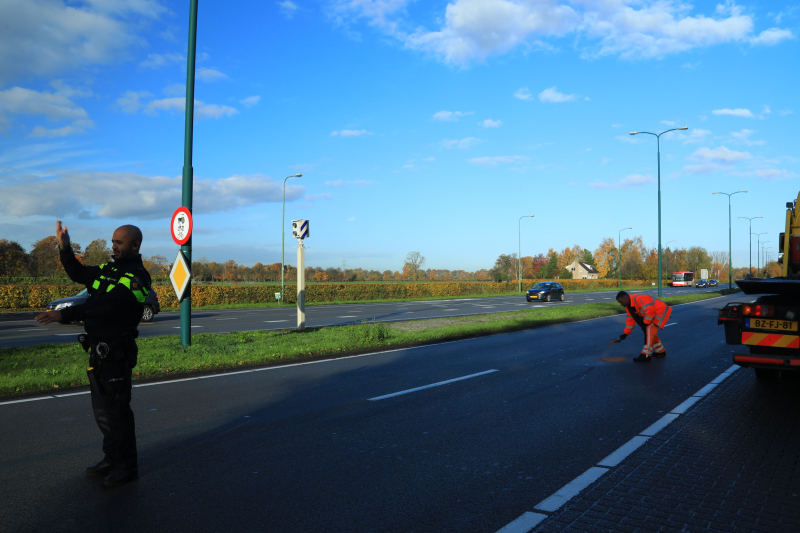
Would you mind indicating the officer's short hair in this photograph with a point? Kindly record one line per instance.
(621, 294)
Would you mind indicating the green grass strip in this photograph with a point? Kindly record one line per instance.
(61, 367)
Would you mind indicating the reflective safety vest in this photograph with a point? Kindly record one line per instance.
(652, 310)
(111, 276)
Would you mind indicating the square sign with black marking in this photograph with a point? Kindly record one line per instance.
(300, 229)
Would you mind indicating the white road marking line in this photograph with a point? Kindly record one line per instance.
(178, 327)
(668, 325)
(430, 386)
(28, 400)
(616, 457)
(347, 316)
(268, 321)
(571, 489)
(227, 319)
(524, 523)
(621, 453)
(67, 334)
(32, 329)
(659, 424)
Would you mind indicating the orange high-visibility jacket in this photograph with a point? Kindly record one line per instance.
(652, 310)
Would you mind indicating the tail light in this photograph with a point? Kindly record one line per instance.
(758, 310)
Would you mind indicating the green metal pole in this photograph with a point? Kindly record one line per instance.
(188, 171)
(658, 144)
(519, 254)
(730, 247)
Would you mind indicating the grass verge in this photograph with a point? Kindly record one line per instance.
(60, 367)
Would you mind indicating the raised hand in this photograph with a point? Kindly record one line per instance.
(62, 235)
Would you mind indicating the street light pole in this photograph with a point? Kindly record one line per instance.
(658, 146)
(519, 257)
(283, 227)
(751, 242)
(762, 249)
(730, 247)
(667, 247)
(619, 256)
(758, 250)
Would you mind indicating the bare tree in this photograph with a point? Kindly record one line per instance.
(415, 260)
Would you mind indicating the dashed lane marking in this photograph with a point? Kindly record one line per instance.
(392, 395)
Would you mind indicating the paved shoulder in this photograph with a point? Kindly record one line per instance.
(729, 464)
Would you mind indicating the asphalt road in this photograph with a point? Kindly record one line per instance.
(328, 446)
(25, 332)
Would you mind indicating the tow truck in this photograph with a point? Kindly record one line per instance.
(768, 327)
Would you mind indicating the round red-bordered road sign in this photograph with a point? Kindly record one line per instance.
(181, 226)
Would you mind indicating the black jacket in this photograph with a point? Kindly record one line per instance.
(107, 314)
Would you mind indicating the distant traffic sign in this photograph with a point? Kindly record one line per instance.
(180, 276)
(181, 226)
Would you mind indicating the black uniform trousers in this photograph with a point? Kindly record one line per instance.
(114, 416)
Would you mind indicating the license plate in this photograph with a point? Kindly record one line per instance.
(534, 296)
(771, 323)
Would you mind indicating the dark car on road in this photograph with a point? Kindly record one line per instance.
(151, 305)
(701, 284)
(545, 290)
(713, 283)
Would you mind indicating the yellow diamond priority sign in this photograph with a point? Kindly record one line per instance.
(180, 275)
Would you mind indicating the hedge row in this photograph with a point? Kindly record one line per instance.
(37, 296)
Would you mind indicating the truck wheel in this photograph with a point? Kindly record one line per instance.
(766, 374)
(147, 316)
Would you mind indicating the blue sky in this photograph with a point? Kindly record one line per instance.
(427, 126)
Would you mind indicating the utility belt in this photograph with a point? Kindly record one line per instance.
(103, 351)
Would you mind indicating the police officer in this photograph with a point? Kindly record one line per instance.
(117, 292)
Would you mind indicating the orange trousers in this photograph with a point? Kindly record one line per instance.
(651, 341)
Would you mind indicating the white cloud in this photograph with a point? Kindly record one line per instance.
(40, 131)
(176, 89)
(21, 101)
(121, 195)
(552, 96)
(523, 93)
(461, 144)
(29, 102)
(337, 183)
(129, 101)
(201, 110)
(739, 112)
(489, 123)
(473, 30)
(450, 116)
(494, 160)
(45, 37)
(162, 60)
(210, 75)
(704, 168)
(696, 135)
(288, 8)
(744, 137)
(771, 37)
(628, 182)
(774, 174)
(250, 101)
(785, 112)
(350, 133)
(721, 154)
(429, 159)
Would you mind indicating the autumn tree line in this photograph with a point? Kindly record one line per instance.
(636, 261)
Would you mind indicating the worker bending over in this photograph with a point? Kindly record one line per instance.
(651, 314)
